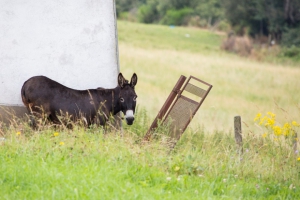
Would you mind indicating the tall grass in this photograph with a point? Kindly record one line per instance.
(87, 164)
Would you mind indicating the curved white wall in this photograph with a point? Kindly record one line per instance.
(72, 42)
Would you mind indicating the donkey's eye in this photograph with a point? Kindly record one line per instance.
(134, 98)
(122, 99)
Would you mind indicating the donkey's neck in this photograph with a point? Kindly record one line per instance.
(112, 99)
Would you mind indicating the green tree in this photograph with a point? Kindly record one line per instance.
(126, 5)
(274, 18)
(177, 17)
(148, 12)
(210, 10)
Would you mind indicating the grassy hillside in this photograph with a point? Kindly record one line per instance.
(164, 37)
(160, 54)
(59, 163)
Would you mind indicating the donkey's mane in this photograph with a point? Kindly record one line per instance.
(105, 91)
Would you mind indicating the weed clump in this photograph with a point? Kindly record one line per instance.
(239, 45)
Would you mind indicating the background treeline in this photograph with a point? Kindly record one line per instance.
(278, 21)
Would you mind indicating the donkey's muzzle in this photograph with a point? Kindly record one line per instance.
(129, 120)
(129, 117)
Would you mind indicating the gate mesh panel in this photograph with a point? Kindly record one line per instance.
(180, 114)
(195, 90)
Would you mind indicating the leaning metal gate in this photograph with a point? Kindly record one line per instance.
(181, 106)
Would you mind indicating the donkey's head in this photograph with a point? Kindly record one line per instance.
(127, 97)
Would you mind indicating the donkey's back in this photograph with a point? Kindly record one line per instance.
(41, 95)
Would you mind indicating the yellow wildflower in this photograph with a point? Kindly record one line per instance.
(277, 130)
(61, 143)
(18, 133)
(298, 158)
(272, 115)
(296, 139)
(286, 129)
(262, 120)
(177, 168)
(294, 123)
(55, 134)
(264, 135)
(270, 122)
(257, 117)
(287, 125)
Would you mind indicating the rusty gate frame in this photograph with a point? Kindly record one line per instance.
(169, 104)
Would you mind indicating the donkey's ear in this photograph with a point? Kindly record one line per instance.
(121, 80)
(133, 81)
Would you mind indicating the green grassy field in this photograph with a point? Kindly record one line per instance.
(240, 86)
(89, 164)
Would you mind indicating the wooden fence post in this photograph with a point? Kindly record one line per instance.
(295, 143)
(238, 134)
